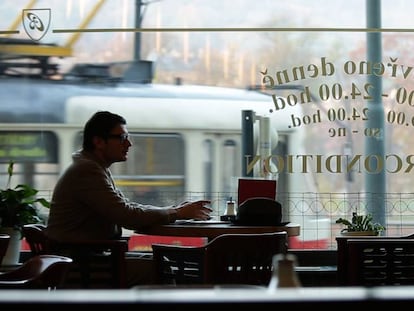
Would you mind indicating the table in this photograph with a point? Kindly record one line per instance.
(211, 229)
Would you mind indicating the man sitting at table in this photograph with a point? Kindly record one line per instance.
(86, 204)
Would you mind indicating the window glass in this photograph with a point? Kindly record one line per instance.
(154, 172)
(334, 78)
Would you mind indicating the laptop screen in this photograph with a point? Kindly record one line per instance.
(253, 188)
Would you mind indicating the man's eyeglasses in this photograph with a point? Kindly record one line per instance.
(121, 137)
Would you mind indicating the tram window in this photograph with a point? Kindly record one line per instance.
(208, 153)
(230, 157)
(151, 154)
(154, 171)
(35, 156)
(28, 147)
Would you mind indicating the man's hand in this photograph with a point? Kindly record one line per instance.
(199, 210)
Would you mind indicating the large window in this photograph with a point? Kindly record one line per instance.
(342, 69)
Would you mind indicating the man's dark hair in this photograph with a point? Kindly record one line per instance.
(101, 125)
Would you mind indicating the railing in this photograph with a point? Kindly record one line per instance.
(321, 209)
(399, 210)
(324, 208)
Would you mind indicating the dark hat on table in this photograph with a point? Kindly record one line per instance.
(259, 211)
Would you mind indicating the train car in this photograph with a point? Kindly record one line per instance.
(187, 141)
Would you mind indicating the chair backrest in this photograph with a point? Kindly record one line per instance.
(4, 243)
(97, 263)
(343, 256)
(100, 263)
(376, 262)
(243, 258)
(227, 259)
(36, 238)
(41, 271)
(178, 265)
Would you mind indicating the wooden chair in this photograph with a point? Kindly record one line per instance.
(38, 272)
(35, 237)
(97, 263)
(377, 262)
(4, 243)
(343, 256)
(227, 259)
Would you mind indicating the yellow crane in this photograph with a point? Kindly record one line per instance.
(16, 48)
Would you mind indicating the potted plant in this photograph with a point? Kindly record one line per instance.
(360, 225)
(17, 208)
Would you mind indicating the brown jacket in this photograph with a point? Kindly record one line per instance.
(87, 205)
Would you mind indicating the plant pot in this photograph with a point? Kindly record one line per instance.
(12, 256)
(359, 233)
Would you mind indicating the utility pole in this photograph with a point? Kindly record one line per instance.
(375, 145)
(138, 23)
(248, 117)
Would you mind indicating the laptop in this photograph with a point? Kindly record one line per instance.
(253, 188)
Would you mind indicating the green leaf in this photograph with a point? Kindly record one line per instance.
(360, 223)
(17, 206)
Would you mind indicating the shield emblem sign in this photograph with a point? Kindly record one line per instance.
(36, 22)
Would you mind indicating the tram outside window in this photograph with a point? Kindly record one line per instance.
(230, 169)
(208, 162)
(154, 171)
(38, 89)
(35, 156)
